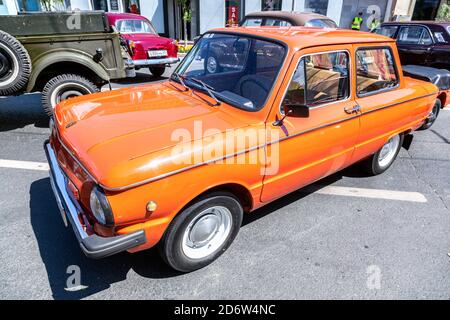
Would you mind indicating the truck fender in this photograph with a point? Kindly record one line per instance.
(56, 56)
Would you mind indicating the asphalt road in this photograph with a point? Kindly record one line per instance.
(305, 245)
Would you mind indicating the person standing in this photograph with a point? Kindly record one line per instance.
(375, 22)
(357, 22)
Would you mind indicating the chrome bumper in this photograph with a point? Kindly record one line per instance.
(152, 62)
(93, 245)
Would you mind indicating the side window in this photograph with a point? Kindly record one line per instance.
(319, 79)
(388, 31)
(252, 22)
(414, 35)
(277, 23)
(375, 70)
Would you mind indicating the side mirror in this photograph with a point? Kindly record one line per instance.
(296, 110)
(293, 110)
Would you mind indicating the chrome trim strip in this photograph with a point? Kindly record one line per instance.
(58, 183)
(171, 173)
(149, 62)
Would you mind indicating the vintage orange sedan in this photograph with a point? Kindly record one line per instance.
(177, 164)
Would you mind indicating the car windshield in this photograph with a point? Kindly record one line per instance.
(134, 26)
(238, 69)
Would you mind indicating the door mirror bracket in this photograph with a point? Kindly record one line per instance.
(293, 110)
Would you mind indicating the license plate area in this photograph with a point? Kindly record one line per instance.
(157, 53)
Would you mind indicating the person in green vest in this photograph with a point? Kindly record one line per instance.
(375, 22)
(357, 22)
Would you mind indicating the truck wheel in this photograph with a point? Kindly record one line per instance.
(63, 87)
(384, 158)
(202, 232)
(15, 65)
(157, 71)
(432, 116)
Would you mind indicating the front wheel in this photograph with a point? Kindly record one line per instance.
(381, 160)
(202, 232)
(63, 87)
(157, 71)
(432, 116)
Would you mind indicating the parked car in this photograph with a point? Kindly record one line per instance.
(147, 48)
(425, 43)
(287, 19)
(202, 149)
(44, 52)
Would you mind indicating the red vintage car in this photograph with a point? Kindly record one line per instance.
(147, 48)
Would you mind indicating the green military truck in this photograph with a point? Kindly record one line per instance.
(59, 54)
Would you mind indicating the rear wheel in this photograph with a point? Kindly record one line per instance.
(202, 232)
(63, 87)
(380, 161)
(157, 71)
(432, 116)
(15, 65)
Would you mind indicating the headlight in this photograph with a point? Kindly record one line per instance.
(100, 207)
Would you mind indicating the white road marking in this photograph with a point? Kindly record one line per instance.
(327, 190)
(370, 193)
(27, 165)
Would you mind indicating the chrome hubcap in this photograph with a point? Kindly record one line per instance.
(388, 151)
(207, 232)
(211, 65)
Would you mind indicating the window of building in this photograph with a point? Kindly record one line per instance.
(375, 70)
(414, 35)
(271, 5)
(317, 6)
(319, 79)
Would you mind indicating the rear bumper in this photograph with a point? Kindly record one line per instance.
(93, 246)
(155, 62)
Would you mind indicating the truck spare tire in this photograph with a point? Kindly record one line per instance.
(15, 65)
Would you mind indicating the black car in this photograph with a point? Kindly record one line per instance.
(425, 43)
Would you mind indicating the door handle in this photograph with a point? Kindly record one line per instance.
(354, 109)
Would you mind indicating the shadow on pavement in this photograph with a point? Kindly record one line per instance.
(20, 111)
(59, 248)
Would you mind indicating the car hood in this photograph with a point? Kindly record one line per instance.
(129, 135)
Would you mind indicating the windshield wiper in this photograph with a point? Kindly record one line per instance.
(180, 78)
(205, 86)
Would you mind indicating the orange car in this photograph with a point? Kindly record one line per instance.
(179, 163)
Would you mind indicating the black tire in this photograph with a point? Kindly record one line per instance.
(373, 165)
(433, 115)
(15, 65)
(63, 87)
(157, 71)
(171, 245)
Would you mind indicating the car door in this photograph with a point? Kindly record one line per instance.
(414, 44)
(301, 150)
(382, 99)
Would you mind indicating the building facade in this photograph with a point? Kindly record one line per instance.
(166, 15)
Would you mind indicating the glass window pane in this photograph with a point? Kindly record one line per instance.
(321, 23)
(252, 22)
(375, 70)
(388, 31)
(295, 94)
(276, 23)
(414, 35)
(271, 5)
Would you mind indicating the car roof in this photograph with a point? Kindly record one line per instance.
(421, 22)
(299, 18)
(302, 37)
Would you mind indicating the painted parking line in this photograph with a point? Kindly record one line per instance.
(369, 193)
(26, 165)
(326, 190)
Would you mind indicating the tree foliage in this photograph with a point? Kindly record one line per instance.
(443, 13)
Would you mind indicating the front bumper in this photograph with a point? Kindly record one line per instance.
(93, 246)
(155, 62)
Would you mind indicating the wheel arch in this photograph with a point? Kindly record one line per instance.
(57, 63)
(443, 98)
